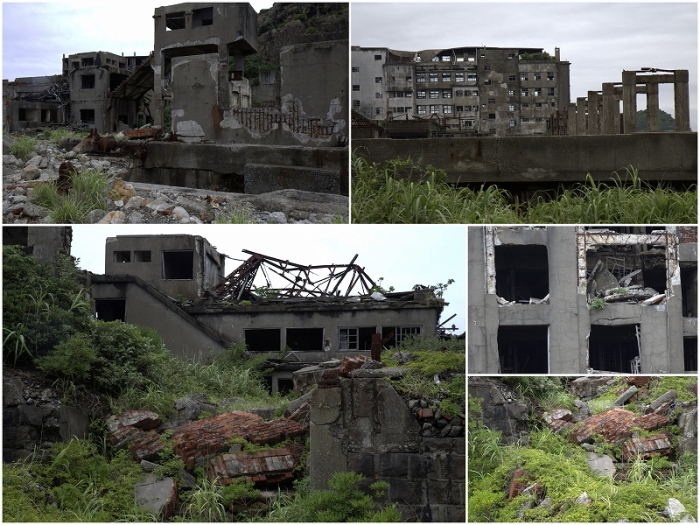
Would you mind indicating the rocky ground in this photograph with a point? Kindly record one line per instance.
(137, 203)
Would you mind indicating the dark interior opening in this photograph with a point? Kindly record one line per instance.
(523, 349)
(285, 386)
(358, 338)
(178, 265)
(655, 278)
(115, 79)
(613, 348)
(522, 272)
(202, 17)
(305, 339)
(110, 309)
(122, 256)
(87, 116)
(263, 340)
(142, 256)
(87, 82)
(690, 354)
(22, 115)
(689, 289)
(175, 21)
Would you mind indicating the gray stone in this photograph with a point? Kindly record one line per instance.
(620, 401)
(294, 405)
(36, 160)
(664, 398)
(30, 172)
(266, 413)
(9, 159)
(157, 496)
(601, 465)
(95, 216)
(675, 511)
(190, 407)
(12, 388)
(389, 371)
(147, 466)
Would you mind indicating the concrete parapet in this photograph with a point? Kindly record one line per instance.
(263, 178)
(657, 156)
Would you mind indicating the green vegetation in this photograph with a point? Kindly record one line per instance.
(537, 56)
(239, 215)
(253, 65)
(407, 193)
(666, 121)
(638, 493)
(89, 191)
(56, 134)
(23, 147)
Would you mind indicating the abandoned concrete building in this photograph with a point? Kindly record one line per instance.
(34, 101)
(176, 285)
(464, 91)
(575, 299)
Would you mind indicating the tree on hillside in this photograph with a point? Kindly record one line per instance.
(666, 121)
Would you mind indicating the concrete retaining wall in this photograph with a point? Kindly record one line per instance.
(657, 156)
(364, 426)
(201, 165)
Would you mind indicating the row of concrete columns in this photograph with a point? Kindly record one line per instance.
(599, 113)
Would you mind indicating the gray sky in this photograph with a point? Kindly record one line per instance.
(37, 35)
(599, 39)
(403, 255)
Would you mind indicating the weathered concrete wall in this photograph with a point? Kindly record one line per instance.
(200, 165)
(182, 335)
(364, 426)
(566, 314)
(657, 156)
(207, 264)
(500, 410)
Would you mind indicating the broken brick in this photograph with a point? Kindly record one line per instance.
(646, 446)
(265, 467)
(519, 481)
(348, 364)
(142, 419)
(424, 413)
(615, 425)
(557, 414)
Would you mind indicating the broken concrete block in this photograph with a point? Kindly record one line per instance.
(157, 496)
(675, 511)
(601, 465)
(668, 397)
(141, 419)
(557, 413)
(620, 401)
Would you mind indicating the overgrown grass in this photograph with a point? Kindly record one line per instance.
(405, 192)
(88, 193)
(239, 215)
(56, 134)
(23, 147)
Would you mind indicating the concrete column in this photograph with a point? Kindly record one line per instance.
(610, 110)
(652, 107)
(681, 97)
(593, 114)
(581, 116)
(629, 102)
(326, 454)
(571, 119)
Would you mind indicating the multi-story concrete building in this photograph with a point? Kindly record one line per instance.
(567, 299)
(92, 78)
(468, 90)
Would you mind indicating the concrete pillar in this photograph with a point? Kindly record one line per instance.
(593, 114)
(571, 119)
(629, 102)
(581, 116)
(610, 110)
(681, 97)
(652, 107)
(326, 454)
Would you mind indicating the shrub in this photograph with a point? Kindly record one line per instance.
(23, 147)
(88, 193)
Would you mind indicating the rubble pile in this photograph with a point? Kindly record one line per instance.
(602, 284)
(140, 203)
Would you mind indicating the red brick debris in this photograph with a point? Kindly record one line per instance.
(265, 467)
(646, 446)
(615, 425)
(348, 364)
(640, 381)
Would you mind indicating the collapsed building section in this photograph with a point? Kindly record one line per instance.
(176, 285)
(573, 299)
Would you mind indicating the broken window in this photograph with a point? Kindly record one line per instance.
(122, 256)
(394, 335)
(22, 114)
(447, 109)
(202, 17)
(550, 76)
(420, 77)
(87, 116)
(110, 309)
(434, 93)
(85, 62)
(432, 77)
(459, 77)
(377, 80)
(377, 57)
(614, 348)
(522, 272)
(690, 354)
(178, 265)
(523, 349)
(305, 339)
(87, 82)
(142, 256)
(689, 290)
(447, 77)
(175, 21)
(358, 338)
(263, 340)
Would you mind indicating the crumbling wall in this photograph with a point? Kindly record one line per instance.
(363, 425)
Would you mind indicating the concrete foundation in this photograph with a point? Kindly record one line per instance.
(657, 156)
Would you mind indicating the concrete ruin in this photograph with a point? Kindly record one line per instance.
(169, 283)
(565, 299)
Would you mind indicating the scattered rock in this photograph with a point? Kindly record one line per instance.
(157, 496)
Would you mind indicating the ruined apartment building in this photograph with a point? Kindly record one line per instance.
(92, 78)
(199, 53)
(176, 285)
(469, 90)
(575, 299)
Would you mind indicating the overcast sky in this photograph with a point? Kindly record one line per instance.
(402, 255)
(599, 39)
(37, 35)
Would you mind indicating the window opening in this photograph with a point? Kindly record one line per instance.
(122, 257)
(690, 354)
(522, 272)
(85, 62)
(110, 309)
(178, 265)
(87, 82)
(263, 340)
(305, 339)
(689, 290)
(174, 21)
(523, 349)
(357, 338)
(202, 17)
(87, 116)
(142, 256)
(614, 348)
(400, 333)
